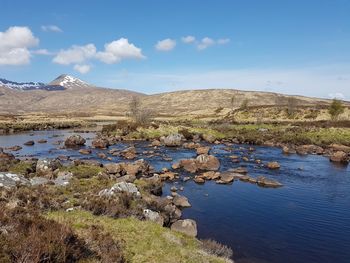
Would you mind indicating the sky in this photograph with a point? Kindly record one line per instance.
(292, 46)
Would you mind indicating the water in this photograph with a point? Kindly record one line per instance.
(307, 220)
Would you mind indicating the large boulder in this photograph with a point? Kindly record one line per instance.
(153, 216)
(129, 153)
(226, 178)
(181, 201)
(207, 162)
(8, 180)
(113, 168)
(100, 143)
(121, 187)
(186, 226)
(173, 140)
(209, 138)
(74, 141)
(46, 167)
(189, 165)
(203, 150)
(339, 157)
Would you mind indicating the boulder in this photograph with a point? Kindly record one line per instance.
(240, 170)
(153, 216)
(339, 157)
(189, 165)
(172, 213)
(74, 141)
(100, 143)
(45, 167)
(173, 140)
(129, 153)
(186, 226)
(181, 201)
(211, 175)
(168, 176)
(203, 150)
(42, 141)
(288, 150)
(209, 138)
(8, 180)
(113, 168)
(191, 145)
(63, 178)
(273, 165)
(14, 148)
(265, 182)
(339, 147)
(207, 162)
(226, 178)
(199, 179)
(29, 143)
(121, 187)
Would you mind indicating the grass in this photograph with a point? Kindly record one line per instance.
(84, 171)
(144, 241)
(21, 168)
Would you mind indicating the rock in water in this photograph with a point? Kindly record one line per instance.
(273, 165)
(339, 157)
(181, 201)
(186, 226)
(74, 140)
(207, 162)
(173, 140)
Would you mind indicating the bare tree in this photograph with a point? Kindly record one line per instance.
(292, 105)
(139, 114)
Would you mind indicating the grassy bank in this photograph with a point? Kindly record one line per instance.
(142, 241)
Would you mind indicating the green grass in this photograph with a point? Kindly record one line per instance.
(144, 241)
(84, 171)
(20, 168)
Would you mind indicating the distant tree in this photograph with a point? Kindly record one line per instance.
(292, 104)
(139, 114)
(244, 104)
(335, 109)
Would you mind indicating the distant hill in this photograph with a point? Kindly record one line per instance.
(72, 95)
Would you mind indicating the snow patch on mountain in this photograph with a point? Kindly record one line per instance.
(25, 86)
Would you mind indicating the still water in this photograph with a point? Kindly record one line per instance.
(307, 220)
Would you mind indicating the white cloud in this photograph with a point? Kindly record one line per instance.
(44, 52)
(205, 43)
(165, 45)
(51, 28)
(14, 44)
(118, 50)
(188, 39)
(223, 41)
(75, 54)
(83, 69)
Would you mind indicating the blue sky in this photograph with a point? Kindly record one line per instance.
(293, 47)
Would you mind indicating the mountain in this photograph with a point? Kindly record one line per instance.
(76, 97)
(25, 86)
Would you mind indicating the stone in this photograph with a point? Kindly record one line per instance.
(85, 151)
(185, 226)
(29, 143)
(207, 162)
(153, 216)
(339, 147)
(42, 141)
(339, 157)
(288, 150)
(209, 138)
(9, 180)
(273, 165)
(121, 187)
(199, 180)
(265, 182)
(100, 143)
(173, 140)
(156, 143)
(203, 150)
(226, 178)
(240, 170)
(113, 168)
(39, 181)
(168, 176)
(129, 153)
(211, 175)
(74, 141)
(189, 165)
(181, 201)
(14, 148)
(63, 178)
(45, 167)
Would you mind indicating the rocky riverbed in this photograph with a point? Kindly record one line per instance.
(175, 176)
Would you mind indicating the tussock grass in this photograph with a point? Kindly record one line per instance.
(143, 241)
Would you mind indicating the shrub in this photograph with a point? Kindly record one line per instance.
(335, 109)
(28, 237)
(215, 248)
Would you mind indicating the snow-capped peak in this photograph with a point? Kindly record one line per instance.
(69, 82)
(25, 86)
